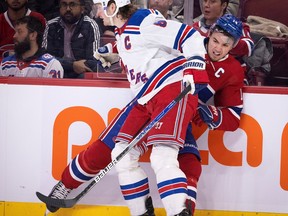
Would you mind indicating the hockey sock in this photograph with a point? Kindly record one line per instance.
(133, 180)
(171, 181)
(86, 164)
(191, 166)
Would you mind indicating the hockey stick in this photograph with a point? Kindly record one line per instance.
(68, 203)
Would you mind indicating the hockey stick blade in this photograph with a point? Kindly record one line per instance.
(68, 203)
(61, 203)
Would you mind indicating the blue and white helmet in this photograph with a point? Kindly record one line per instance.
(230, 24)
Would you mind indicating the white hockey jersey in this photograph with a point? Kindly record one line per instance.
(153, 50)
(43, 66)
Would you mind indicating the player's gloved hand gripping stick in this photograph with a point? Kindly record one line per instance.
(68, 203)
(105, 56)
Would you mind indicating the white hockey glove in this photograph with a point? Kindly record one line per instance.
(195, 74)
(105, 56)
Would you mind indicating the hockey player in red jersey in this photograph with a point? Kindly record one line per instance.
(226, 77)
(224, 93)
(16, 10)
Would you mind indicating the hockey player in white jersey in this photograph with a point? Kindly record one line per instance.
(30, 60)
(155, 53)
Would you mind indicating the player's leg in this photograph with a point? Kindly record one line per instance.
(189, 161)
(90, 161)
(132, 178)
(166, 139)
(81, 169)
(191, 166)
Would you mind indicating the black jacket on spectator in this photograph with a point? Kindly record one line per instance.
(84, 42)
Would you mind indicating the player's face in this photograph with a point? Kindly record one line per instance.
(21, 39)
(219, 46)
(102, 15)
(212, 10)
(161, 5)
(16, 5)
(70, 10)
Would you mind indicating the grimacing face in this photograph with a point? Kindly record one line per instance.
(219, 45)
(70, 10)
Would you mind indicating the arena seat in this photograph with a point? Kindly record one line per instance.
(274, 10)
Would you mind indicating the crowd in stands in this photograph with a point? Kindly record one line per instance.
(74, 31)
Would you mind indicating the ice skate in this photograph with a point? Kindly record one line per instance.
(59, 191)
(149, 207)
(185, 212)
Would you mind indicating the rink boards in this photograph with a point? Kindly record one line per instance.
(45, 123)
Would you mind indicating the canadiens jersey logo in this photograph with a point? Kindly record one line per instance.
(219, 72)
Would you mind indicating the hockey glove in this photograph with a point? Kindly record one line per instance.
(195, 74)
(105, 56)
(209, 114)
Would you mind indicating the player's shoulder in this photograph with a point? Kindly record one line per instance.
(233, 67)
(142, 16)
(9, 58)
(46, 57)
(9, 62)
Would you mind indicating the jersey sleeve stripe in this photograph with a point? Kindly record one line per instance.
(161, 74)
(236, 111)
(183, 33)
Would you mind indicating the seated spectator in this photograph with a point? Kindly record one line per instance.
(232, 8)
(30, 60)
(163, 6)
(95, 14)
(73, 38)
(15, 10)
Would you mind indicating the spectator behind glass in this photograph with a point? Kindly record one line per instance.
(231, 8)
(73, 38)
(95, 14)
(164, 7)
(30, 60)
(15, 10)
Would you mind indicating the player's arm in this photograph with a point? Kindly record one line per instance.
(218, 118)
(245, 45)
(54, 69)
(183, 38)
(107, 55)
(225, 113)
